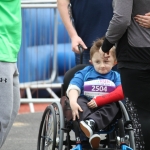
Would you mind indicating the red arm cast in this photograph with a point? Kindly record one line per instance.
(114, 96)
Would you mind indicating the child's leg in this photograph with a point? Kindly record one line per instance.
(76, 129)
(103, 116)
(77, 135)
(92, 120)
(88, 126)
(83, 103)
(86, 110)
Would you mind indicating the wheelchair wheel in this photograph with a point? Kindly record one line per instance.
(48, 130)
(60, 124)
(130, 130)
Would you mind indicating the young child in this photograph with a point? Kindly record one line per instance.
(93, 91)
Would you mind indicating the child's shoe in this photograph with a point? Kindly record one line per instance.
(87, 127)
(95, 141)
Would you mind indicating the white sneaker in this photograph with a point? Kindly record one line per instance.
(95, 141)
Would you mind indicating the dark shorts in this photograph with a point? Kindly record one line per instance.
(102, 116)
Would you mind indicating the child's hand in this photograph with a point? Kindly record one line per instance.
(92, 104)
(75, 108)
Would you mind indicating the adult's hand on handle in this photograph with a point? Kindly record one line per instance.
(143, 20)
(76, 41)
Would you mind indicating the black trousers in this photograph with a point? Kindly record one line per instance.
(136, 87)
(102, 116)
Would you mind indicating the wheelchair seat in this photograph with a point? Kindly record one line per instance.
(69, 75)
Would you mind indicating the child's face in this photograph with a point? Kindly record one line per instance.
(102, 64)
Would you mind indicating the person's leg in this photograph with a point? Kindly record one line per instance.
(10, 98)
(136, 87)
(83, 103)
(76, 129)
(104, 115)
(86, 110)
(95, 119)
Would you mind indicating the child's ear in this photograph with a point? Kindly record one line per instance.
(115, 63)
(90, 62)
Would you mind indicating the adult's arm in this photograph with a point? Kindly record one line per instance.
(119, 23)
(143, 20)
(62, 6)
(114, 96)
(64, 13)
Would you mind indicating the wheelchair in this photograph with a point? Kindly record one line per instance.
(56, 124)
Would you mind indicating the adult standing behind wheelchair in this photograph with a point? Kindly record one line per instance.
(133, 55)
(85, 20)
(93, 92)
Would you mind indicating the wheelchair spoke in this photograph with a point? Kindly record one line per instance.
(47, 133)
(49, 130)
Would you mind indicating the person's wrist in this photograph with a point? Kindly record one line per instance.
(73, 36)
(73, 102)
(95, 100)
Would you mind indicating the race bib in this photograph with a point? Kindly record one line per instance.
(98, 87)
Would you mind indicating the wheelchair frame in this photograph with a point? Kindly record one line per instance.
(54, 124)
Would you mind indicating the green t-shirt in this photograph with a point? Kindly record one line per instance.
(10, 30)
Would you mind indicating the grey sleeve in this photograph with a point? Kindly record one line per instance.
(122, 10)
(120, 21)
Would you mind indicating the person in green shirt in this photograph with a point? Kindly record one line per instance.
(10, 41)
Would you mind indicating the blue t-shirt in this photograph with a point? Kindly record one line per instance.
(91, 18)
(91, 82)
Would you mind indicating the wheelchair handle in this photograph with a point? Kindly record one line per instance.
(81, 53)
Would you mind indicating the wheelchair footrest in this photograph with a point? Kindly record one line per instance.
(104, 149)
(78, 147)
(125, 147)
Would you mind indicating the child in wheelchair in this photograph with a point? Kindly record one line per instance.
(92, 93)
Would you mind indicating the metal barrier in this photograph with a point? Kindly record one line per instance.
(47, 84)
(39, 4)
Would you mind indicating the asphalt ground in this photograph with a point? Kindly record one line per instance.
(24, 132)
(23, 135)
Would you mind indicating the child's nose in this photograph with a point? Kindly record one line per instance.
(102, 65)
